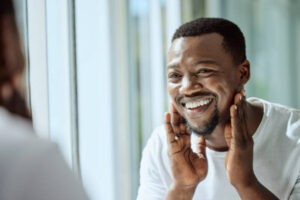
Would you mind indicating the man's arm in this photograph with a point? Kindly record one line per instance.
(180, 193)
(255, 191)
(239, 159)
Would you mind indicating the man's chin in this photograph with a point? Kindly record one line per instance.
(205, 129)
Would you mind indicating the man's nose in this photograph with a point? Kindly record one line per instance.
(190, 85)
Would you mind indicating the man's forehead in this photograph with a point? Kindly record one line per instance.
(173, 63)
(195, 50)
(212, 41)
(178, 44)
(205, 39)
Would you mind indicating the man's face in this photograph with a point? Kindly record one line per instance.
(202, 80)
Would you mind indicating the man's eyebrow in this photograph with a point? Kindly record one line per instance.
(172, 65)
(175, 65)
(211, 62)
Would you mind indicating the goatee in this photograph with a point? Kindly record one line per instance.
(208, 128)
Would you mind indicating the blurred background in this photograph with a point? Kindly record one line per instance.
(96, 73)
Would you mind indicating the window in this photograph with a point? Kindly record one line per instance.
(97, 75)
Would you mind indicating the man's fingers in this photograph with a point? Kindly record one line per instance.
(228, 134)
(237, 98)
(167, 117)
(236, 131)
(243, 116)
(234, 122)
(173, 108)
(175, 119)
(202, 148)
(199, 160)
(169, 128)
(240, 102)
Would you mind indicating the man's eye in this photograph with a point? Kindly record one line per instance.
(174, 75)
(204, 71)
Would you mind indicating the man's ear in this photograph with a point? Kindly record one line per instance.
(244, 72)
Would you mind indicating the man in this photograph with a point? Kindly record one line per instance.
(215, 143)
(30, 168)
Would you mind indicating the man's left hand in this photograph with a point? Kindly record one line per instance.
(239, 159)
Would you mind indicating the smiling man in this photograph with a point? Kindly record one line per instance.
(215, 143)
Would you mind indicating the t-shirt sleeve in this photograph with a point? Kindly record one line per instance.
(295, 195)
(152, 186)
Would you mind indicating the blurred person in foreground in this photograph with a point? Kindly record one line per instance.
(216, 143)
(30, 168)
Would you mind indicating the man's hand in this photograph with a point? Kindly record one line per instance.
(188, 168)
(239, 159)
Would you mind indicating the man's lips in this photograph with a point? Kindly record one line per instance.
(193, 107)
(195, 104)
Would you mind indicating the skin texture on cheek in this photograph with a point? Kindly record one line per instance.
(226, 95)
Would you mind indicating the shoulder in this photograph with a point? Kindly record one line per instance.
(158, 137)
(279, 115)
(286, 117)
(275, 108)
(156, 146)
(20, 148)
(18, 132)
(13, 127)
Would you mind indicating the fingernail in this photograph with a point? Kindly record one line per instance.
(235, 107)
(243, 91)
(201, 156)
(176, 137)
(241, 97)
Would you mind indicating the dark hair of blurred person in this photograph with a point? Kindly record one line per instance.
(12, 63)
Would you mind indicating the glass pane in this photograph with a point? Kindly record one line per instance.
(271, 49)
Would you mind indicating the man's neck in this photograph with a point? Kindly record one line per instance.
(216, 141)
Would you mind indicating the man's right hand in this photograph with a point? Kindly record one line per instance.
(188, 168)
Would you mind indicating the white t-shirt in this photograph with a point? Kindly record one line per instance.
(32, 168)
(276, 160)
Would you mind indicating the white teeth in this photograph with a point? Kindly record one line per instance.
(195, 104)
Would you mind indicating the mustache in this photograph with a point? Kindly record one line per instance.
(196, 94)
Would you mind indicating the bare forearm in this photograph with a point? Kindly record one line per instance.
(256, 191)
(176, 193)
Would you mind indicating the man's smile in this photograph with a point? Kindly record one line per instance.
(196, 104)
(194, 107)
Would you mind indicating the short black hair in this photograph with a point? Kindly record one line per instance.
(233, 38)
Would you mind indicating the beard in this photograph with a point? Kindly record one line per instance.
(207, 128)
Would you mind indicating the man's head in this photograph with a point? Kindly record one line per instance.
(11, 62)
(206, 66)
(233, 38)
